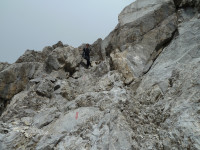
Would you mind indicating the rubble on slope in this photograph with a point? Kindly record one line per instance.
(142, 91)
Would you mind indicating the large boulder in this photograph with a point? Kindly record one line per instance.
(14, 78)
(120, 63)
(67, 58)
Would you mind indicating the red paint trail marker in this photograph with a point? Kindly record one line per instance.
(76, 115)
(84, 77)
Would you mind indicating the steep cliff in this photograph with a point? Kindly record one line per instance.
(142, 91)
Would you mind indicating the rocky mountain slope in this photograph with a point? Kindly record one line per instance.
(141, 93)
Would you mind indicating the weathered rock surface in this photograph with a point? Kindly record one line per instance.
(15, 77)
(67, 58)
(142, 92)
(3, 65)
(168, 95)
(150, 26)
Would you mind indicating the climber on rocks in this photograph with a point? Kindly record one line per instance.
(86, 55)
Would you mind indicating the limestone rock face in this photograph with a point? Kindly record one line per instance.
(143, 29)
(168, 93)
(141, 93)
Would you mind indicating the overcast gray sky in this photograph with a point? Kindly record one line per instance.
(34, 24)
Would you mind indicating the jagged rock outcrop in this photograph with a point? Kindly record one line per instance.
(59, 44)
(142, 91)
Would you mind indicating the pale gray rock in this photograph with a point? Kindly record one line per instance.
(143, 29)
(142, 8)
(187, 51)
(65, 89)
(136, 59)
(172, 85)
(45, 117)
(143, 94)
(78, 143)
(49, 141)
(30, 102)
(102, 68)
(64, 125)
